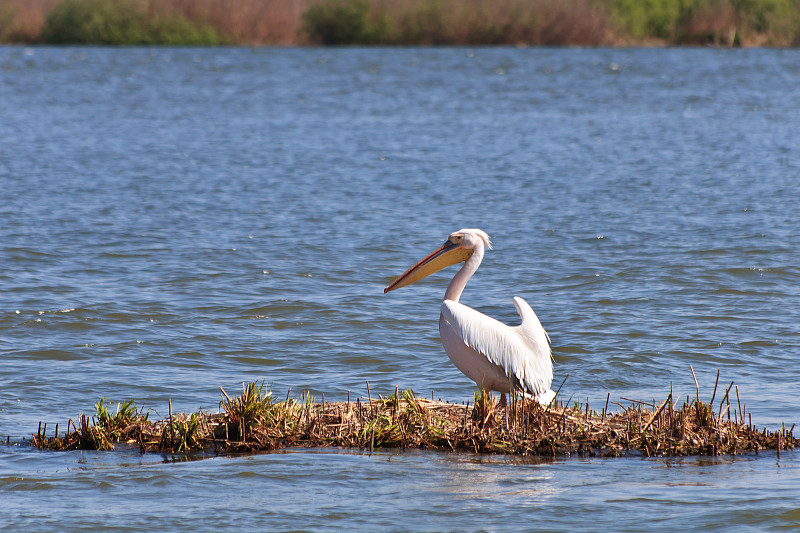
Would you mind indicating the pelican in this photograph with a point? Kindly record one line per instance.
(495, 356)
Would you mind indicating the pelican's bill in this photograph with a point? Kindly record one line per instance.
(448, 254)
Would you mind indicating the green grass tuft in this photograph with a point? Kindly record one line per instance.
(122, 22)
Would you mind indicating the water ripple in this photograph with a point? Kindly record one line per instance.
(179, 219)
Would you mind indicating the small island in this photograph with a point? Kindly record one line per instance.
(258, 421)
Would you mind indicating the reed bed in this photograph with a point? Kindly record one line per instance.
(258, 421)
(406, 22)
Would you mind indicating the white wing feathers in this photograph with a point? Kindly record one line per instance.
(522, 351)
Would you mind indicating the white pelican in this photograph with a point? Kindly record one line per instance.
(495, 356)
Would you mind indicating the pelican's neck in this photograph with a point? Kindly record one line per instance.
(460, 280)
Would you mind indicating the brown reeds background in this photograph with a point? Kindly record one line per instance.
(257, 22)
(514, 22)
(463, 22)
(22, 20)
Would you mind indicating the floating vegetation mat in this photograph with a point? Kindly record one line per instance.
(258, 421)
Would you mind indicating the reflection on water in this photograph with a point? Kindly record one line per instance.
(491, 479)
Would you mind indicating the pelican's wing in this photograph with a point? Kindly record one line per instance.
(522, 351)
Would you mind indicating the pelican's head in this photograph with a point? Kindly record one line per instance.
(458, 247)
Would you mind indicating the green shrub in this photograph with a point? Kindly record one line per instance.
(339, 22)
(648, 18)
(778, 20)
(121, 22)
(701, 21)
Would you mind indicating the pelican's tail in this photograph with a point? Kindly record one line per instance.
(546, 397)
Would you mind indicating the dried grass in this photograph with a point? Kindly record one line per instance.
(257, 421)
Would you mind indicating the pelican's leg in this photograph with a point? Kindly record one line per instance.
(513, 393)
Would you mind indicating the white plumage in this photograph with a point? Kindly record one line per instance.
(495, 356)
(491, 352)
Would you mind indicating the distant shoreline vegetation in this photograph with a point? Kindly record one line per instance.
(403, 22)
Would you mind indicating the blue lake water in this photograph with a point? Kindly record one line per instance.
(173, 220)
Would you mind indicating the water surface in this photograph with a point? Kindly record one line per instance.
(172, 220)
